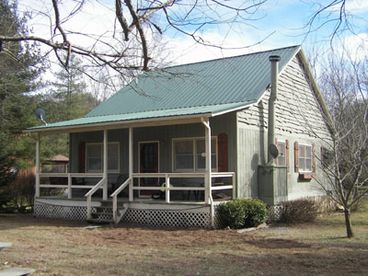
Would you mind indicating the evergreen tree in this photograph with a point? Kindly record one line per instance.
(19, 69)
(67, 100)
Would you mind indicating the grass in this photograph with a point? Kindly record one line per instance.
(64, 248)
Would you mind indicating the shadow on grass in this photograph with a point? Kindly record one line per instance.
(272, 243)
(13, 221)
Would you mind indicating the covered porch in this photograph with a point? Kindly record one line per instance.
(152, 166)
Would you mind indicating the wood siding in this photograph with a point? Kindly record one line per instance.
(164, 135)
(297, 109)
(298, 118)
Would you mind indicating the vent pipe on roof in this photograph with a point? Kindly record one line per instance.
(271, 106)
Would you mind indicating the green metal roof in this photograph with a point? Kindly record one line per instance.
(200, 88)
(141, 115)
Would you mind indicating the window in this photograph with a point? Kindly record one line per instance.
(189, 154)
(201, 154)
(94, 157)
(183, 152)
(305, 158)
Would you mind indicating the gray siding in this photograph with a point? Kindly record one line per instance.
(164, 135)
(298, 118)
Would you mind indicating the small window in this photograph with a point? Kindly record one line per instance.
(189, 154)
(94, 157)
(305, 158)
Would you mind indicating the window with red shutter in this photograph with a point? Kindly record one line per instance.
(296, 157)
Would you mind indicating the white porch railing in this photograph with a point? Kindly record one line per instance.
(221, 186)
(89, 195)
(114, 196)
(166, 185)
(68, 184)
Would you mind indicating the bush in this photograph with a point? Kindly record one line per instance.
(298, 211)
(242, 213)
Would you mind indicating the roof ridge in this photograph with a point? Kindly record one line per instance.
(230, 57)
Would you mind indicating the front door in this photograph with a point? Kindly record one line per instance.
(148, 163)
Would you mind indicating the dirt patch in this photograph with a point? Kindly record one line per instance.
(278, 243)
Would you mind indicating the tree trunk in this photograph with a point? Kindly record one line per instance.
(349, 230)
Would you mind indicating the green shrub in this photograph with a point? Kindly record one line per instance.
(242, 213)
(298, 211)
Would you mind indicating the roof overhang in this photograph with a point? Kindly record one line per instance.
(172, 120)
(172, 117)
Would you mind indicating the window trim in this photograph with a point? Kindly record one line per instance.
(101, 145)
(311, 159)
(193, 139)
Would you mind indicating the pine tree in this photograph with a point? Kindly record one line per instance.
(19, 69)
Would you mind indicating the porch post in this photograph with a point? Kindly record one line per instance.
(37, 188)
(131, 164)
(105, 156)
(208, 177)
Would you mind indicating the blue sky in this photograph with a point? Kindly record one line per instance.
(282, 23)
(279, 23)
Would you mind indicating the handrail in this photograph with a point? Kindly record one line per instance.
(114, 196)
(95, 188)
(222, 174)
(53, 174)
(89, 196)
(121, 187)
(71, 174)
(172, 175)
(221, 187)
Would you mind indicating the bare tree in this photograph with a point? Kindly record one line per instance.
(345, 83)
(129, 45)
(339, 17)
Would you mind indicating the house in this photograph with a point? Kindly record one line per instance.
(144, 154)
(57, 163)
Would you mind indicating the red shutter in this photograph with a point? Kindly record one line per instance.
(296, 157)
(313, 159)
(82, 157)
(222, 152)
(287, 154)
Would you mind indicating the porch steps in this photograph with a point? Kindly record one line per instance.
(104, 213)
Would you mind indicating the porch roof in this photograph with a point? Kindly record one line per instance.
(168, 113)
(205, 88)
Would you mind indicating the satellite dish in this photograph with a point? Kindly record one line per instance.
(41, 115)
(274, 152)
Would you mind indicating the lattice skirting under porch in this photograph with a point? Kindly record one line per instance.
(46, 210)
(181, 218)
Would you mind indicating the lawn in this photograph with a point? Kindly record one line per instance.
(64, 248)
